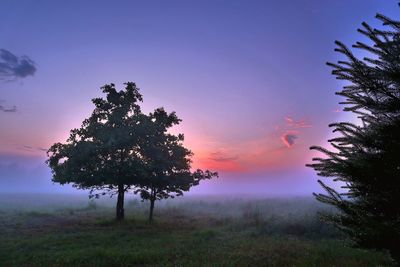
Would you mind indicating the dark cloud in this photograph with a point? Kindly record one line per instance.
(8, 110)
(289, 139)
(222, 157)
(14, 67)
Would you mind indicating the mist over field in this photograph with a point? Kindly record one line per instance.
(65, 229)
(30, 174)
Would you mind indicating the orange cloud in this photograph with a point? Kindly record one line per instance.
(267, 151)
(219, 156)
(218, 160)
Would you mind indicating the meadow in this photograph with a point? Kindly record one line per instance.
(70, 230)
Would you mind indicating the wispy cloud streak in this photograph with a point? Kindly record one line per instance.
(31, 148)
(8, 110)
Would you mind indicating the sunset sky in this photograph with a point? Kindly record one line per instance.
(248, 78)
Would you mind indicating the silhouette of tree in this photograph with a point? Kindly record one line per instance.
(119, 148)
(167, 161)
(365, 156)
(103, 155)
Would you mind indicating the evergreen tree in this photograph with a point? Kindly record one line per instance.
(365, 157)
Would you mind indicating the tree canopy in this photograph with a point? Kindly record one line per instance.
(365, 155)
(167, 161)
(103, 155)
(119, 148)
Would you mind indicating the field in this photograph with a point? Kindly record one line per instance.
(66, 230)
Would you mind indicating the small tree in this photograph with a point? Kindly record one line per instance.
(103, 155)
(167, 161)
(366, 156)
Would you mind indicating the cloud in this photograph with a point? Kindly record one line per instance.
(289, 139)
(14, 67)
(5, 109)
(297, 124)
(219, 159)
(291, 130)
(8, 110)
(274, 148)
(30, 148)
(222, 157)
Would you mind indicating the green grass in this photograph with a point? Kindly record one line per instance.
(185, 233)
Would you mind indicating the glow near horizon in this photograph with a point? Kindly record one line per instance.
(253, 93)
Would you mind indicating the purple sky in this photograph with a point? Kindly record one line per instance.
(248, 78)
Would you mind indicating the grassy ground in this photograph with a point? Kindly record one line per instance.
(188, 232)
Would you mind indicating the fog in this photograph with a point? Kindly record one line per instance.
(30, 174)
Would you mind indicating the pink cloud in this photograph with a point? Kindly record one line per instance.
(288, 137)
(290, 122)
(267, 151)
(220, 156)
(218, 161)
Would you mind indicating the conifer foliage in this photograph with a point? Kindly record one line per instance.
(365, 156)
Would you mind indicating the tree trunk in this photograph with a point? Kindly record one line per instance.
(152, 200)
(120, 203)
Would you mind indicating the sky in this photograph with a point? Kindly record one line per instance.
(248, 79)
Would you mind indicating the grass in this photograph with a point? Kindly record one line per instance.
(186, 232)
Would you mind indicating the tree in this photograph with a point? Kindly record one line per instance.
(167, 161)
(365, 156)
(118, 148)
(103, 155)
